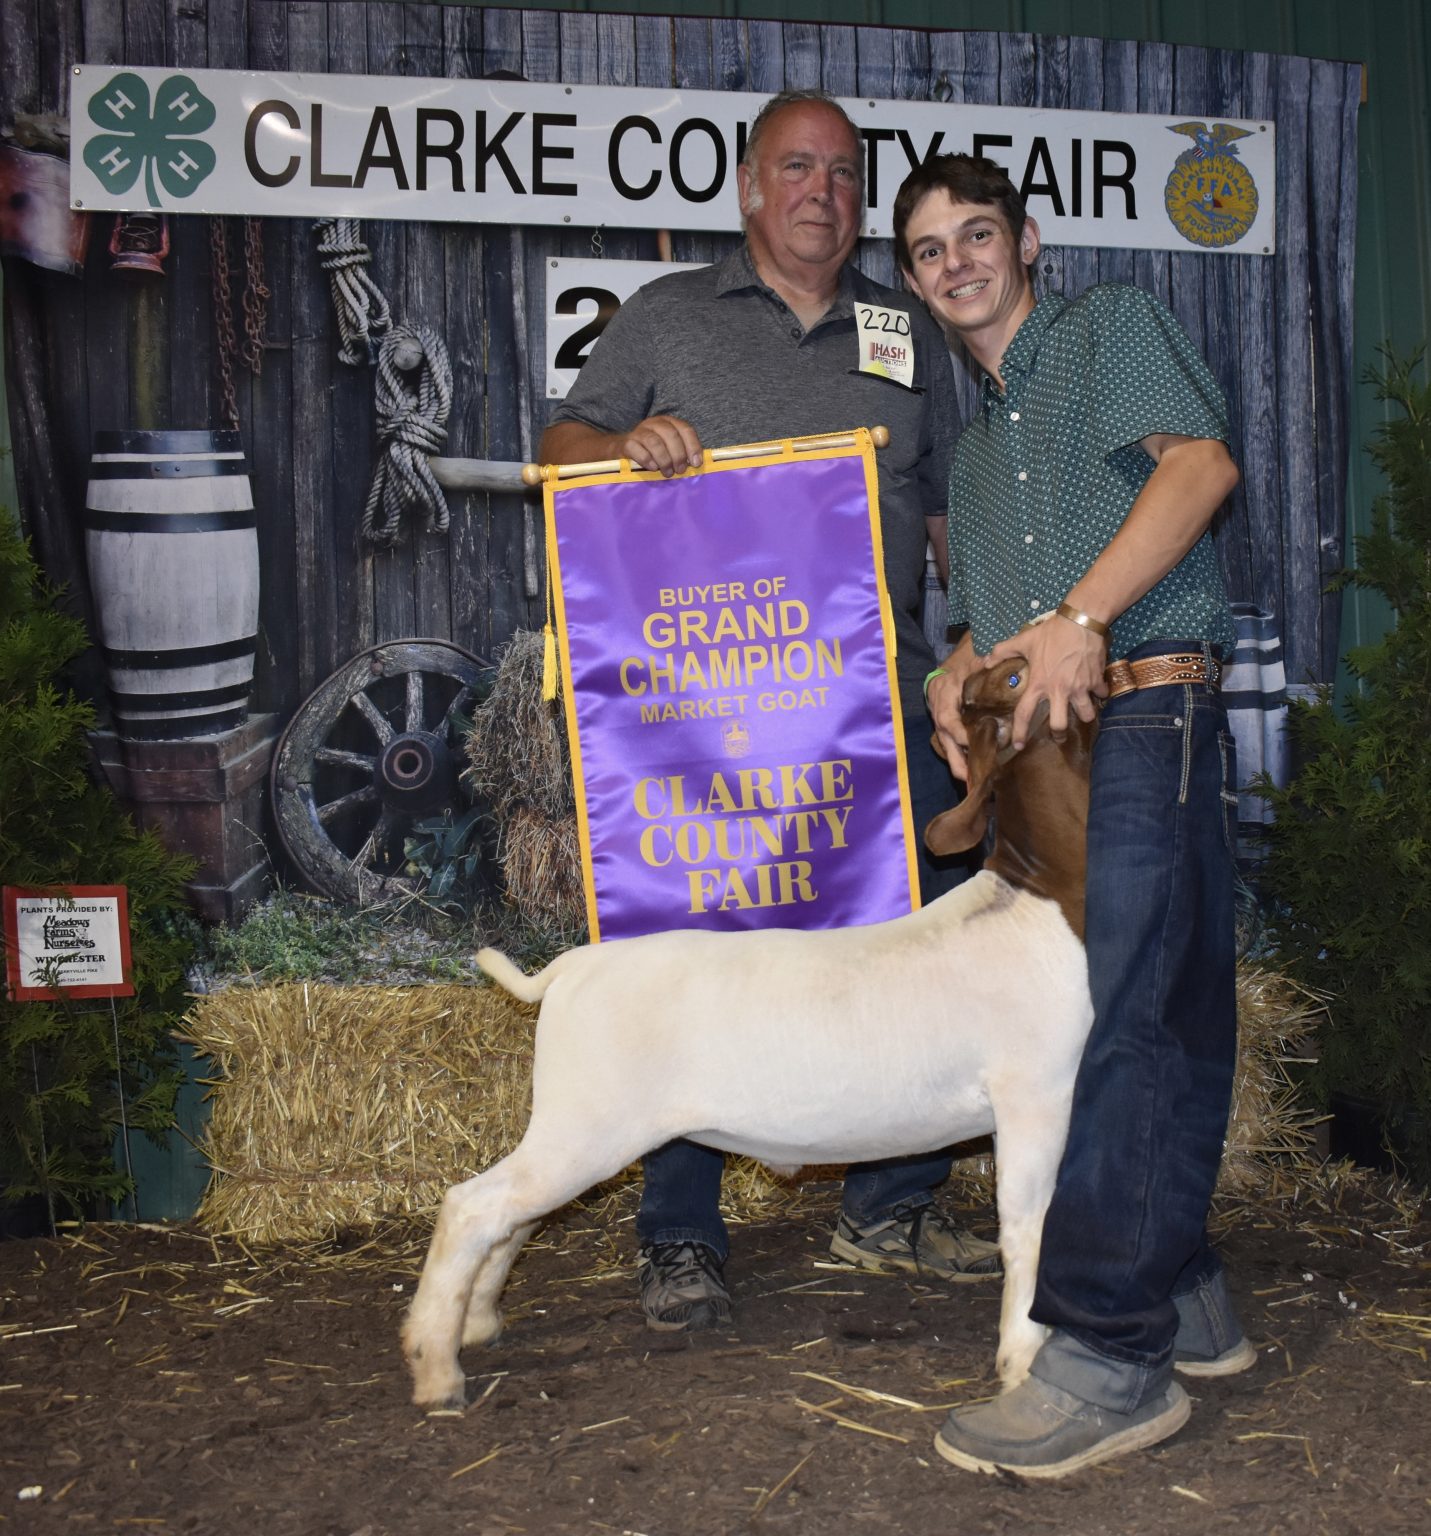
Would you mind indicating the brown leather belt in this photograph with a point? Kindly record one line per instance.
(1155, 671)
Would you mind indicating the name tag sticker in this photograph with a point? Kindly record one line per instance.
(886, 345)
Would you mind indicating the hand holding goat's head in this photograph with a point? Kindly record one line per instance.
(1041, 791)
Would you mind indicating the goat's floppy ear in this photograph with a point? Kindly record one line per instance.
(963, 827)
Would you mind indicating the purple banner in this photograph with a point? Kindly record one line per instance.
(730, 694)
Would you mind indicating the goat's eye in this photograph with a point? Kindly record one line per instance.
(1014, 679)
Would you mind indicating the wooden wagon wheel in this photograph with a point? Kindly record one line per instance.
(369, 752)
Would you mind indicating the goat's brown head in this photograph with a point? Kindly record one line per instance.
(1040, 834)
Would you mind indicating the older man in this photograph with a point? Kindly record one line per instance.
(766, 344)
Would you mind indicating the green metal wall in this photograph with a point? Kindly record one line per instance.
(1389, 37)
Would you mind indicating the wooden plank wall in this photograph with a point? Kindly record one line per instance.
(106, 352)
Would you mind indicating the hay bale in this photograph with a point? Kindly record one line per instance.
(1270, 1130)
(541, 866)
(521, 764)
(336, 1107)
(1271, 1133)
(518, 748)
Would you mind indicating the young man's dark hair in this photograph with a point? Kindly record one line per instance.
(967, 179)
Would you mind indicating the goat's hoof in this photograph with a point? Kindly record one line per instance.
(1012, 1367)
(436, 1389)
(452, 1401)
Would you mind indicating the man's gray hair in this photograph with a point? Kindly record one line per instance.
(750, 159)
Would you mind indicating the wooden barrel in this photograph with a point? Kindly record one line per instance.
(172, 545)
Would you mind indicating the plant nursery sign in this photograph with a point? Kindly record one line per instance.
(67, 941)
(730, 698)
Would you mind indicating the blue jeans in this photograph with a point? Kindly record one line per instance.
(1126, 1229)
(680, 1200)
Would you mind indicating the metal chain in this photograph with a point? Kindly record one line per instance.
(254, 303)
(223, 317)
(255, 295)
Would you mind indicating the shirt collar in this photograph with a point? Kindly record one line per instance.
(1020, 353)
(737, 272)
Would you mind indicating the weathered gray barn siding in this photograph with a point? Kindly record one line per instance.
(95, 354)
(1391, 38)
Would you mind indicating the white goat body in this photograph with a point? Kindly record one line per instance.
(792, 1047)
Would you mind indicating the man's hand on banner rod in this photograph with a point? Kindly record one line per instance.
(534, 474)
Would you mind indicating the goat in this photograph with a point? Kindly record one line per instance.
(810, 1047)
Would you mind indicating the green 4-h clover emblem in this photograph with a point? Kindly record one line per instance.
(162, 140)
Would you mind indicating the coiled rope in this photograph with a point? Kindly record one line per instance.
(412, 424)
(412, 419)
(363, 314)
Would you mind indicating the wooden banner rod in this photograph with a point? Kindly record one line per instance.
(534, 474)
(478, 474)
(512, 475)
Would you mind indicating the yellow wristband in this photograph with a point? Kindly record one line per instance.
(937, 672)
(1083, 620)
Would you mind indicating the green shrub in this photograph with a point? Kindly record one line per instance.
(1349, 854)
(59, 1081)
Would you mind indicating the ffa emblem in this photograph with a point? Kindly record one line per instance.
(735, 738)
(1211, 196)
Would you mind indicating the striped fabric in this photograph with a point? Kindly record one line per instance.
(1254, 689)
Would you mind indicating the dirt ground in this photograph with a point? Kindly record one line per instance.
(153, 1379)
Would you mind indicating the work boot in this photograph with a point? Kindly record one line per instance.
(1039, 1430)
(920, 1242)
(682, 1287)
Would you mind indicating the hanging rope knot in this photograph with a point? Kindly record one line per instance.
(363, 313)
(414, 396)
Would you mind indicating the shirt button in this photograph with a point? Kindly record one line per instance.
(1023, 474)
(1013, 415)
(1028, 538)
(795, 332)
(1034, 603)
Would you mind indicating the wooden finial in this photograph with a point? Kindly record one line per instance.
(879, 436)
(531, 474)
(407, 354)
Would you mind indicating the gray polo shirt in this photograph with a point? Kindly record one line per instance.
(723, 351)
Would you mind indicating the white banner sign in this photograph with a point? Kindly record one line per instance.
(511, 152)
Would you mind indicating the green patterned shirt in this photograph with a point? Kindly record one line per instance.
(1045, 473)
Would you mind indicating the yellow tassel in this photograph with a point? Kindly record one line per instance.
(549, 664)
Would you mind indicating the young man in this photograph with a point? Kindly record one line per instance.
(1081, 500)
(762, 345)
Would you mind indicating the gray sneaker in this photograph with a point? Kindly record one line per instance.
(1039, 1430)
(1210, 1340)
(918, 1242)
(683, 1287)
(1236, 1358)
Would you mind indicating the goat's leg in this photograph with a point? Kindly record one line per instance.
(1029, 1138)
(472, 1220)
(483, 1323)
(480, 1227)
